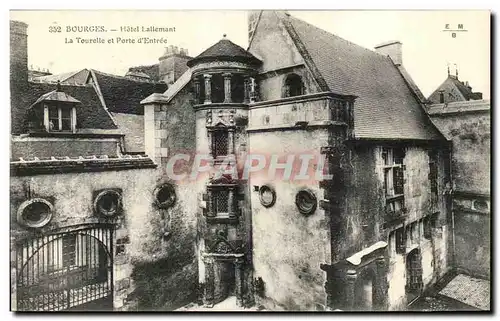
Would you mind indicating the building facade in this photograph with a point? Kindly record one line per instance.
(364, 225)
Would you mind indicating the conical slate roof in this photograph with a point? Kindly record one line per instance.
(224, 50)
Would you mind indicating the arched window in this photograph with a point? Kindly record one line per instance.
(293, 86)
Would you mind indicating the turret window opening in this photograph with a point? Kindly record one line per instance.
(217, 83)
(220, 142)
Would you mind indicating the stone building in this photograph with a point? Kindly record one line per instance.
(452, 89)
(372, 237)
(467, 124)
(369, 230)
(92, 219)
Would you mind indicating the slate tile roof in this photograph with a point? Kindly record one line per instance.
(90, 114)
(385, 108)
(70, 78)
(464, 90)
(123, 95)
(153, 71)
(224, 49)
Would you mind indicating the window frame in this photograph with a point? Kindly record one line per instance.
(393, 166)
(55, 124)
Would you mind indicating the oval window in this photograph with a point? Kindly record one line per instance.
(165, 196)
(480, 205)
(108, 203)
(267, 196)
(35, 213)
(306, 202)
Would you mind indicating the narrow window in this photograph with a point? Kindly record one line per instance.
(221, 201)
(400, 241)
(53, 118)
(393, 178)
(433, 175)
(293, 86)
(441, 97)
(427, 227)
(220, 143)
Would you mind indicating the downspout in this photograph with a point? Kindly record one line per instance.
(450, 202)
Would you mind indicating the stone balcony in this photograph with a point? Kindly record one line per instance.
(319, 109)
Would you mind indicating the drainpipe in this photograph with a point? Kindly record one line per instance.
(450, 201)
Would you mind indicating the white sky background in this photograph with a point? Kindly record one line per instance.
(426, 48)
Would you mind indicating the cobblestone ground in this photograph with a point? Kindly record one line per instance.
(228, 304)
(439, 303)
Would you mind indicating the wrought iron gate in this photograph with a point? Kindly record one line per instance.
(66, 270)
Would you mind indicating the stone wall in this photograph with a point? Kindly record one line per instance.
(468, 125)
(169, 279)
(72, 198)
(365, 219)
(288, 247)
(30, 147)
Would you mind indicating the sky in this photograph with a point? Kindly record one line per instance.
(427, 49)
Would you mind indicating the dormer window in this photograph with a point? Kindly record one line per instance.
(293, 86)
(60, 119)
(53, 112)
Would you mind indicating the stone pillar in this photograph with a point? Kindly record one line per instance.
(380, 286)
(230, 202)
(155, 135)
(227, 87)
(253, 87)
(230, 142)
(46, 117)
(238, 277)
(197, 88)
(208, 296)
(246, 85)
(208, 89)
(73, 120)
(349, 290)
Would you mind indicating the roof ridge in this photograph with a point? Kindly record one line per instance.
(335, 35)
(120, 77)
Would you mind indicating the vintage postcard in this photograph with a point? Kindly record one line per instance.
(258, 160)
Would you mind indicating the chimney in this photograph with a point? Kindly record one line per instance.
(18, 74)
(173, 64)
(393, 49)
(18, 52)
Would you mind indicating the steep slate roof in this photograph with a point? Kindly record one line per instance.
(385, 108)
(224, 49)
(153, 71)
(70, 78)
(464, 90)
(123, 95)
(90, 113)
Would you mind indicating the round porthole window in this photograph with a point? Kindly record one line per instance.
(480, 205)
(165, 196)
(108, 203)
(35, 213)
(267, 196)
(306, 202)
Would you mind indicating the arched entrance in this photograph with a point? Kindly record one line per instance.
(414, 283)
(66, 270)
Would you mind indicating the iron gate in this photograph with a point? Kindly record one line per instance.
(66, 270)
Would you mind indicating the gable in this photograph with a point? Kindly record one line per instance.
(272, 44)
(386, 108)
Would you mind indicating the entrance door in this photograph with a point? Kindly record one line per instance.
(69, 270)
(414, 283)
